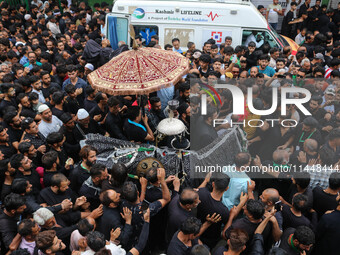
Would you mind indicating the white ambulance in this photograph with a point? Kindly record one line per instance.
(191, 21)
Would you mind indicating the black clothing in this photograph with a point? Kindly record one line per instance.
(71, 105)
(28, 112)
(290, 220)
(96, 111)
(287, 28)
(7, 150)
(134, 133)
(36, 140)
(285, 243)
(71, 143)
(323, 201)
(89, 104)
(111, 219)
(8, 230)
(210, 206)
(4, 104)
(93, 128)
(176, 216)
(328, 234)
(249, 227)
(301, 136)
(14, 134)
(91, 192)
(206, 133)
(50, 198)
(33, 178)
(56, 112)
(176, 247)
(77, 177)
(114, 126)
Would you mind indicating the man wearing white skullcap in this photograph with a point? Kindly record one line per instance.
(49, 123)
(87, 125)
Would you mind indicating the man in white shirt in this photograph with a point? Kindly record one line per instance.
(49, 123)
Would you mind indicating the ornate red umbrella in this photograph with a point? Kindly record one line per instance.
(139, 71)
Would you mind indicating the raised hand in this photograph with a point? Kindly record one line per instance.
(127, 215)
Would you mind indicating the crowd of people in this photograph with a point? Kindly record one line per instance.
(55, 197)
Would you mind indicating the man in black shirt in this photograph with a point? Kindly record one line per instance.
(111, 218)
(98, 113)
(27, 110)
(89, 102)
(315, 108)
(325, 200)
(33, 135)
(211, 202)
(58, 100)
(91, 187)
(9, 99)
(307, 129)
(86, 125)
(81, 173)
(24, 169)
(14, 207)
(296, 241)
(56, 194)
(14, 131)
(184, 239)
(179, 209)
(328, 232)
(293, 217)
(71, 143)
(254, 211)
(5, 147)
(155, 115)
(134, 130)
(184, 93)
(114, 120)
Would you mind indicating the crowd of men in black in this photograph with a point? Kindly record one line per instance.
(57, 200)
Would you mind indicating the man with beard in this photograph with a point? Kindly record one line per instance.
(315, 108)
(114, 121)
(9, 92)
(5, 147)
(23, 167)
(184, 93)
(14, 131)
(27, 110)
(47, 84)
(91, 188)
(32, 134)
(297, 240)
(81, 173)
(14, 206)
(99, 112)
(86, 125)
(28, 230)
(37, 86)
(112, 219)
(155, 114)
(8, 174)
(49, 123)
(184, 112)
(71, 143)
(57, 193)
(48, 243)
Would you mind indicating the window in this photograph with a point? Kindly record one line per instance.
(259, 37)
(117, 29)
(146, 32)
